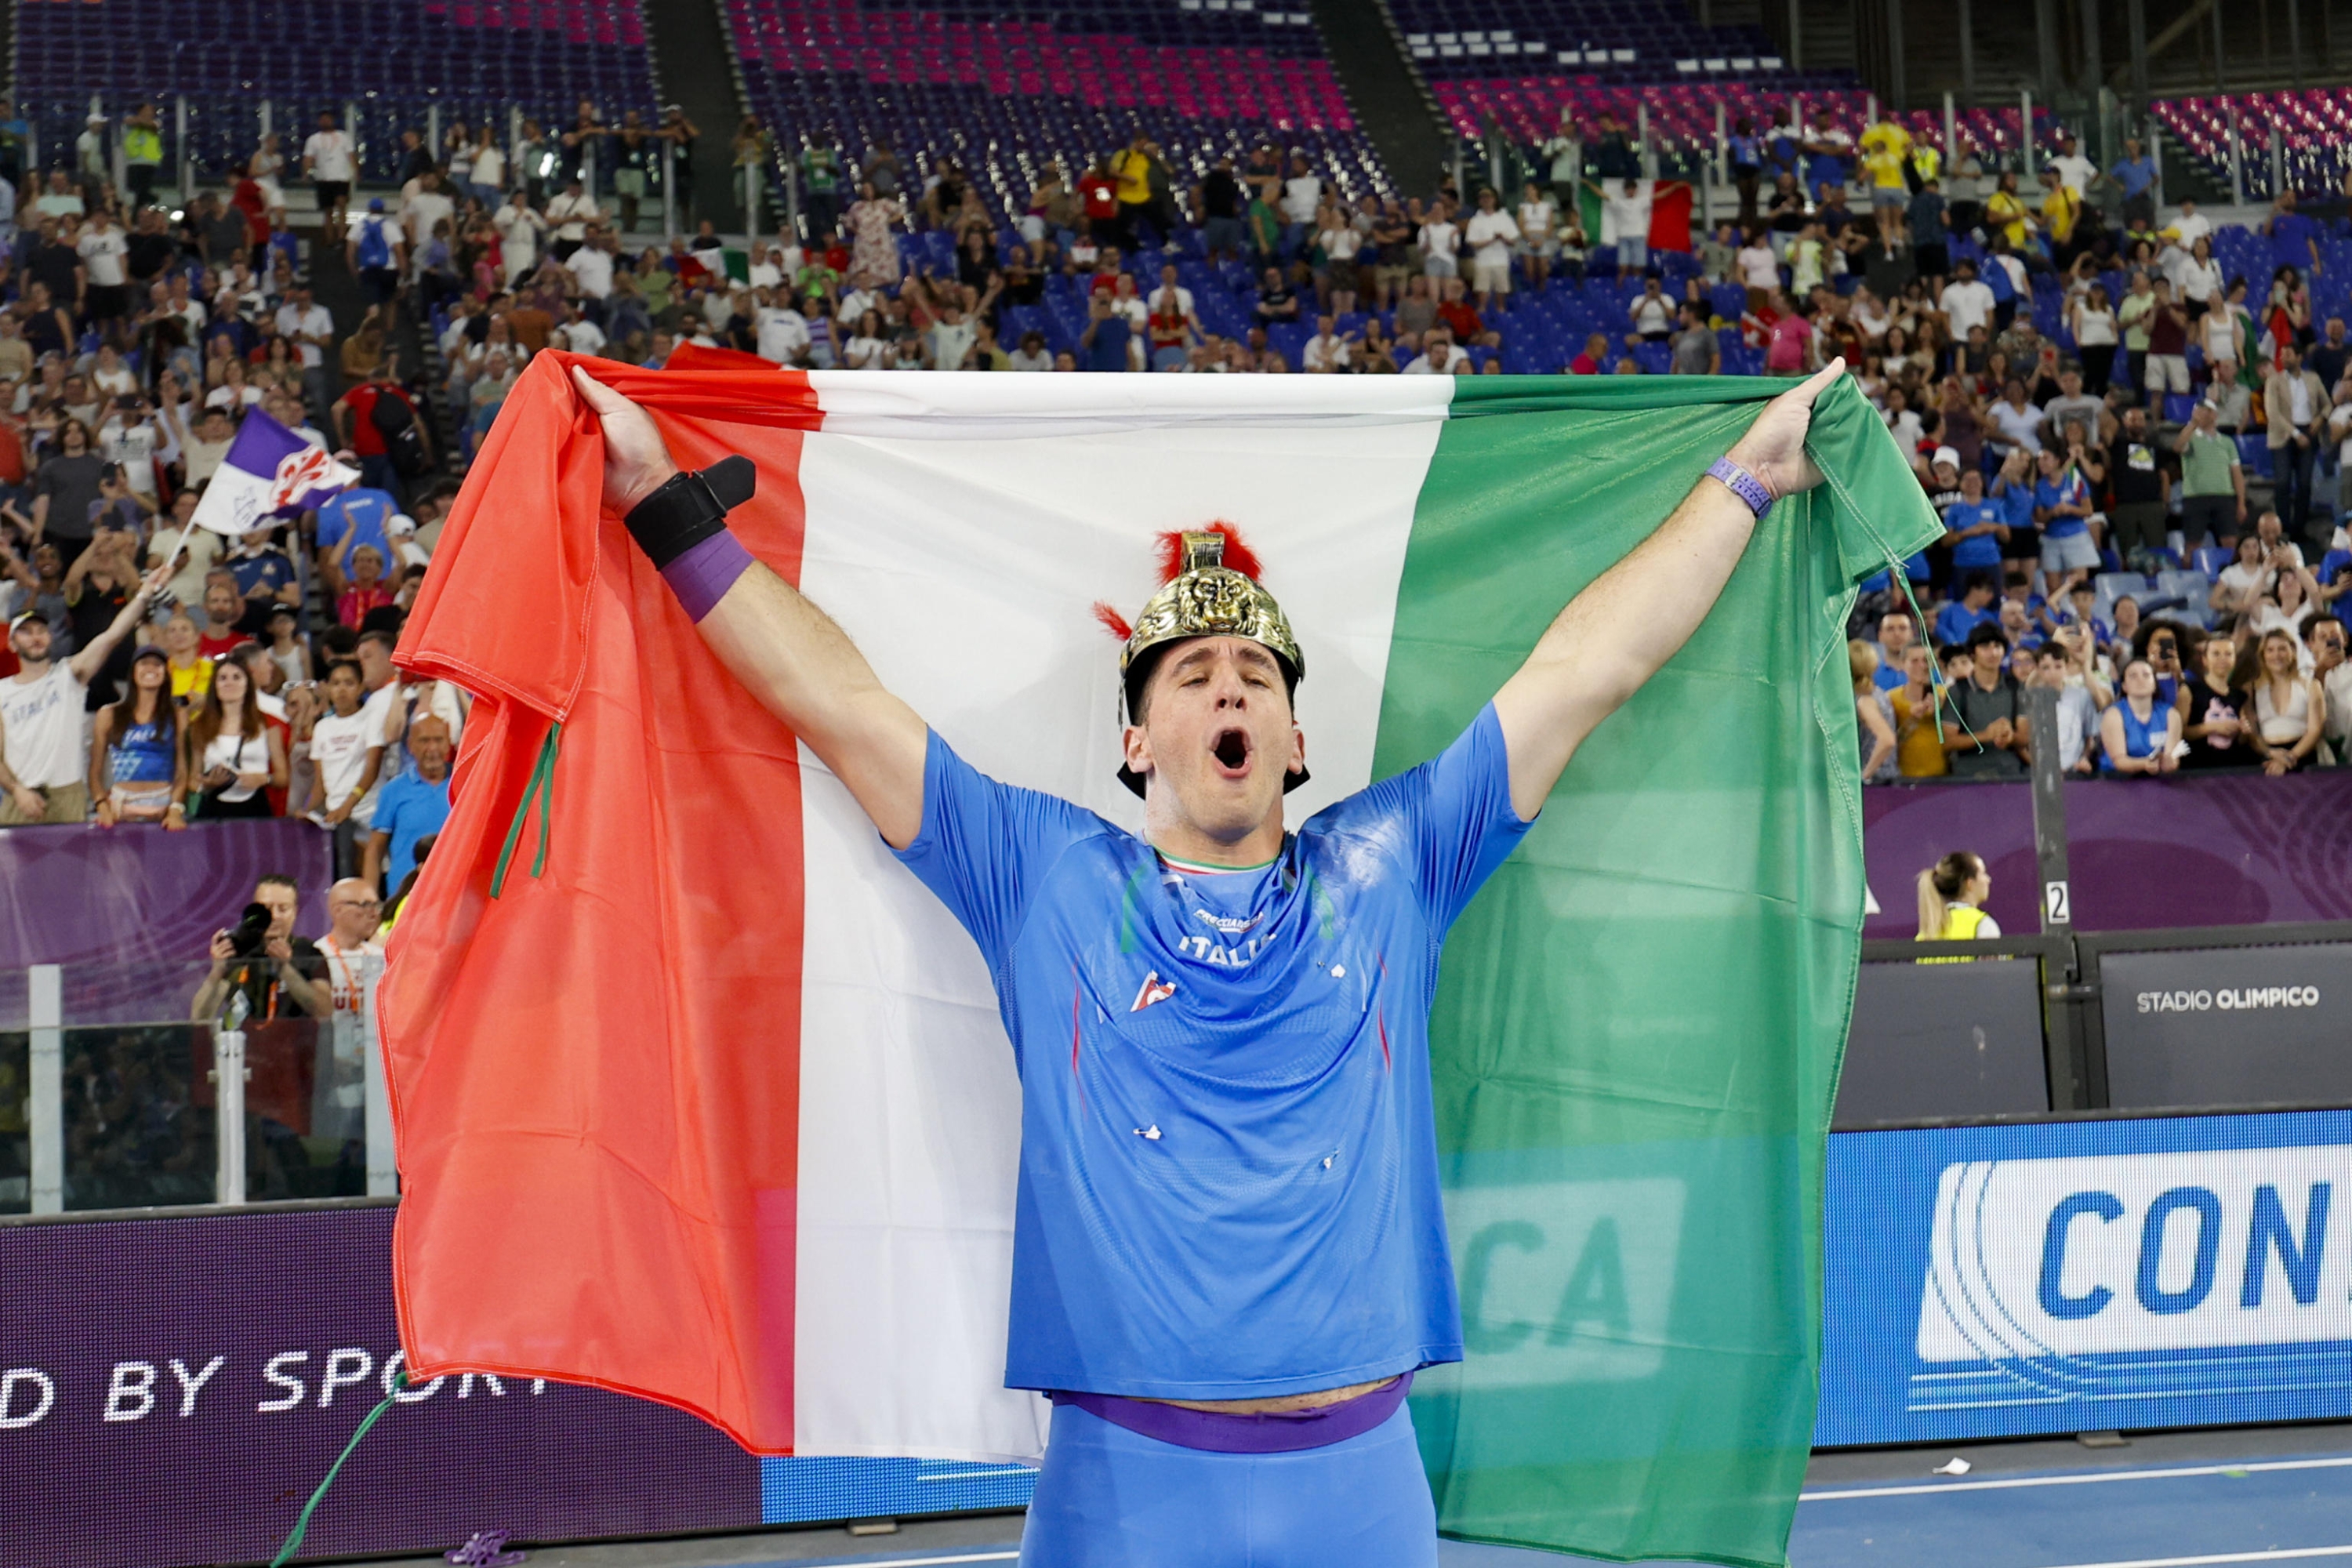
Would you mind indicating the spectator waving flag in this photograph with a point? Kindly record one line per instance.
(269, 473)
(700, 1095)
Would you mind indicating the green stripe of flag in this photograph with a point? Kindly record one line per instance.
(1637, 1032)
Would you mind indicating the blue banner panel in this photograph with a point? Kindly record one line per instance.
(2086, 1276)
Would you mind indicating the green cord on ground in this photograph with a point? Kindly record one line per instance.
(302, 1520)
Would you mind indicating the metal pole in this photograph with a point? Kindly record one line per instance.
(1457, 164)
(2092, 73)
(2136, 14)
(1968, 55)
(751, 203)
(265, 126)
(228, 1115)
(2237, 162)
(1897, 96)
(2278, 170)
(1642, 133)
(45, 1108)
(2049, 813)
(793, 201)
(1951, 135)
(670, 188)
(2221, 79)
(2025, 137)
(187, 176)
(2045, 39)
(116, 158)
(2295, 43)
(383, 1174)
(1722, 145)
(1796, 34)
(433, 130)
(588, 168)
(352, 134)
(2156, 158)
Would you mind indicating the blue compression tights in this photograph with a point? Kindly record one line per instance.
(1110, 1498)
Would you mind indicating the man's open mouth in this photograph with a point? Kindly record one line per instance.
(1232, 749)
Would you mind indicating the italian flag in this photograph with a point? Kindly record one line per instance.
(702, 1098)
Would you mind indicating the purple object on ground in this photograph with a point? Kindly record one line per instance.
(1224, 1432)
(701, 576)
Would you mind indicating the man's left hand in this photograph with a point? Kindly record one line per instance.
(1774, 447)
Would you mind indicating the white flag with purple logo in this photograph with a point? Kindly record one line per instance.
(269, 473)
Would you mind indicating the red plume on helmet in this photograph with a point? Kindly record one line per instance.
(1238, 556)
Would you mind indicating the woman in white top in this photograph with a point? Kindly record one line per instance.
(109, 374)
(863, 349)
(2222, 335)
(2092, 322)
(263, 169)
(233, 755)
(2200, 278)
(2292, 600)
(1757, 267)
(2290, 709)
(2242, 582)
(1538, 233)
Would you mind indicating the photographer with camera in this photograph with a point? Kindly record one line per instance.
(279, 974)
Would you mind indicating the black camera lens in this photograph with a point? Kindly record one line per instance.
(252, 928)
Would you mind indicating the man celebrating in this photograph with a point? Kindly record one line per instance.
(44, 743)
(1230, 1255)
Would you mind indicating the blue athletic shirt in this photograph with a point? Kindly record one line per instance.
(1228, 1165)
(1980, 549)
(2070, 490)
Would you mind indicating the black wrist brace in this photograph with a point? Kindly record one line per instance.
(689, 507)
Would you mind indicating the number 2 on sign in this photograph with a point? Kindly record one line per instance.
(2054, 901)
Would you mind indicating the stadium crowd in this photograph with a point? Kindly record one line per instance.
(2104, 534)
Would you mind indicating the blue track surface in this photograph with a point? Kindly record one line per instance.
(2156, 1515)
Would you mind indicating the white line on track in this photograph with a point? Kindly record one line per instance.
(2091, 1477)
(979, 1475)
(2281, 1555)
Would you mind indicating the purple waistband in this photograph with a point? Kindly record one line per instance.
(701, 576)
(1226, 1432)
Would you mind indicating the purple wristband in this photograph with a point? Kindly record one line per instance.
(701, 576)
(1741, 483)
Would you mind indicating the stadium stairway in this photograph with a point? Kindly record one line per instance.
(2185, 174)
(1392, 106)
(694, 67)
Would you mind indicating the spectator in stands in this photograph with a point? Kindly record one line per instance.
(1918, 754)
(2214, 715)
(1962, 618)
(1697, 351)
(282, 977)
(2290, 709)
(2325, 640)
(233, 757)
(2063, 507)
(369, 417)
(2168, 343)
(1491, 234)
(44, 760)
(2242, 587)
(376, 252)
(1952, 896)
(329, 163)
(137, 771)
(1987, 733)
(1873, 714)
(2139, 730)
(2212, 484)
(412, 807)
(2296, 403)
(2142, 489)
(2078, 714)
(346, 759)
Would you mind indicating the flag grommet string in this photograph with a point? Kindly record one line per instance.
(392, 1391)
(542, 789)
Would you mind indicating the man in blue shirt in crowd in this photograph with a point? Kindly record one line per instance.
(2135, 171)
(1229, 1253)
(413, 806)
(1964, 615)
(361, 515)
(1975, 528)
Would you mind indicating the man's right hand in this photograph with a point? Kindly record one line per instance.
(636, 460)
(28, 803)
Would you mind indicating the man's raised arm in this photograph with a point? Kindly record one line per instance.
(788, 653)
(1631, 619)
